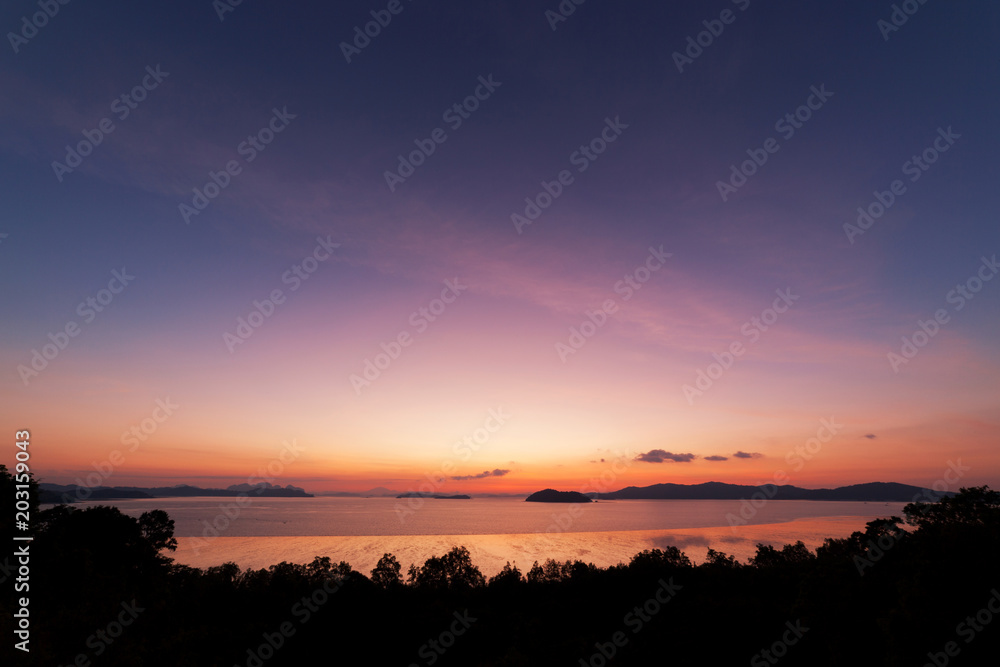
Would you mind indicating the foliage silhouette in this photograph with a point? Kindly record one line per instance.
(454, 570)
(386, 572)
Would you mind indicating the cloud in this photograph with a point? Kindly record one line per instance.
(870, 436)
(486, 473)
(748, 455)
(716, 458)
(659, 456)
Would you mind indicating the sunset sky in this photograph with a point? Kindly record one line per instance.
(638, 225)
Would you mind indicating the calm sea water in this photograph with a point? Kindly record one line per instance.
(272, 517)
(212, 531)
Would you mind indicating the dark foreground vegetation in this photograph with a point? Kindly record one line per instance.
(914, 592)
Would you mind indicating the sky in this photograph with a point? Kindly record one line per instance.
(493, 249)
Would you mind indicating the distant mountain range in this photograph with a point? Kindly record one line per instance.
(872, 492)
(62, 493)
(889, 492)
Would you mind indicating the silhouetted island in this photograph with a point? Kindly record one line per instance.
(416, 494)
(888, 492)
(553, 496)
(68, 493)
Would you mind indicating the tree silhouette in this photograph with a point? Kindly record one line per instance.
(536, 574)
(8, 486)
(977, 505)
(386, 572)
(721, 560)
(452, 570)
(157, 529)
(671, 557)
(790, 554)
(507, 577)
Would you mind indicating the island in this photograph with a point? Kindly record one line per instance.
(415, 494)
(888, 492)
(69, 493)
(553, 496)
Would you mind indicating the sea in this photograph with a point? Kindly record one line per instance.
(258, 532)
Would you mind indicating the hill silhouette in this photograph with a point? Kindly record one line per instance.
(871, 492)
(74, 492)
(553, 496)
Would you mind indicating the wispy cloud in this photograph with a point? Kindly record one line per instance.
(484, 474)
